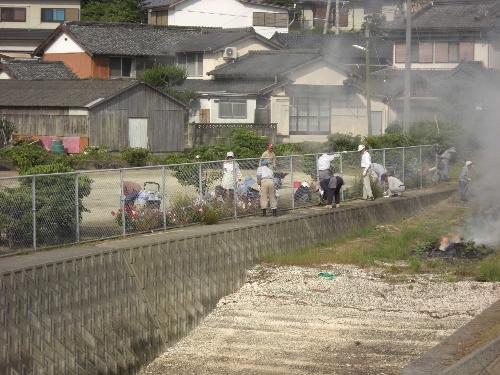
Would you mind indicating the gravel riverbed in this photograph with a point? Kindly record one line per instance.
(289, 320)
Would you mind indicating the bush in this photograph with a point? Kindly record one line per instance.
(246, 144)
(24, 155)
(164, 75)
(387, 140)
(184, 210)
(344, 142)
(135, 157)
(285, 149)
(55, 207)
(211, 214)
(143, 219)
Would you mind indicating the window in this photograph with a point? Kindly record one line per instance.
(192, 63)
(441, 52)
(343, 16)
(466, 51)
(13, 14)
(425, 52)
(120, 67)
(400, 52)
(53, 15)
(310, 115)
(270, 19)
(233, 109)
(453, 52)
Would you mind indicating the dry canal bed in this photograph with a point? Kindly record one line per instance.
(289, 320)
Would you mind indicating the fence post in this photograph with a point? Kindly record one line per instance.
(317, 168)
(383, 158)
(200, 182)
(291, 183)
(421, 166)
(403, 165)
(342, 172)
(122, 204)
(33, 209)
(235, 195)
(77, 207)
(163, 198)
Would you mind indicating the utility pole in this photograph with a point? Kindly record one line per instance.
(337, 17)
(327, 18)
(407, 75)
(368, 73)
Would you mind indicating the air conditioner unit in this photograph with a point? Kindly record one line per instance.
(230, 53)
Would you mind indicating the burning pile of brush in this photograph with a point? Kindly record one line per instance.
(453, 245)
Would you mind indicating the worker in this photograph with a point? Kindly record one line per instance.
(131, 191)
(366, 165)
(463, 181)
(377, 171)
(265, 179)
(332, 187)
(324, 164)
(303, 193)
(270, 156)
(444, 161)
(231, 177)
(395, 187)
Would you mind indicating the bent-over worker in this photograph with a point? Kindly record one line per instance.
(324, 164)
(265, 178)
(332, 188)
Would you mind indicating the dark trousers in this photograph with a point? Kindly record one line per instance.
(333, 192)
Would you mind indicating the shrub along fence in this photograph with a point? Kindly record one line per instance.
(46, 210)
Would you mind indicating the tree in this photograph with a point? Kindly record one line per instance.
(166, 77)
(112, 11)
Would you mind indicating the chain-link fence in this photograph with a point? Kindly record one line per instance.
(48, 210)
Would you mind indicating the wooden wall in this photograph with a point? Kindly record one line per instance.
(166, 119)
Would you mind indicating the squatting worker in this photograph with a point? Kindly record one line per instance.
(265, 178)
(324, 164)
(444, 162)
(270, 156)
(395, 187)
(332, 187)
(366, 165)
(231, 176)
(377, 171)
(464, 180)
(131, 192)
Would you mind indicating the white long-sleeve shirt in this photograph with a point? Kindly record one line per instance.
(395, 185)
(366, 160)
(230, 176)
(325, 160)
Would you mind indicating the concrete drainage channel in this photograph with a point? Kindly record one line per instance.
(113, 307)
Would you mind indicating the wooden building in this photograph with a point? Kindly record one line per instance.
(117, 114)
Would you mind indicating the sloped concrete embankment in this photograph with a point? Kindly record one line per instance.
(113, 307)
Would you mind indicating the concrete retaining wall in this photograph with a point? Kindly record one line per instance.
(112, 308)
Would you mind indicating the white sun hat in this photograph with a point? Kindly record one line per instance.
(361, 147)
(230, 154)
(468, 163)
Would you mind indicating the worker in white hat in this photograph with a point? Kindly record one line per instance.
(231, 175)
(463, 181)
(444, 162)
(366, 165)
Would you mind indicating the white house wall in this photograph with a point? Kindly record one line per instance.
(221, 13)
(213, 60)
(494, 54)
(64, 44)
(318, 74)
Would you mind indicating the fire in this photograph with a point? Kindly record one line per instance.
(450, 239)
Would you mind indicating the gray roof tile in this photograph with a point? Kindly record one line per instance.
(55, 93)
(229, 86)
(166, 3)
(265, 64)
(37, 70)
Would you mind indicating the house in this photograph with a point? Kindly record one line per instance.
(32, 69)
(25, 24)
(124, 50)
(115, 113)
(351, 13)
(347, 48)
(301, 91)
(264, 17)
(446, 32)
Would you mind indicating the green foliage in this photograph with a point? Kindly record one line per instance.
(24, 155)
(135, 156)
(489, 268)
(387, 140)
(208, 153)
(55, 206)
(164, 75)
(285, 149)
(246, 144)
(6, 130)
(112, 11)
(212, 214)
(344, 142)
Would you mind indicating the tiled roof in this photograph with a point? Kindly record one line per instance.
(55, 93)
(166, 3)
(265, 64)
(37, 70)
(229, 86)
(451, 15)
(338, 46)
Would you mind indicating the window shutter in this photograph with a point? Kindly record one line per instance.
(400, 52)
(344, 17)
(453, 52)
(466, 51)
(270, 19)
(72, 14)
(441, 51)
(282, 20)
(258, 19)
(425, 52)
